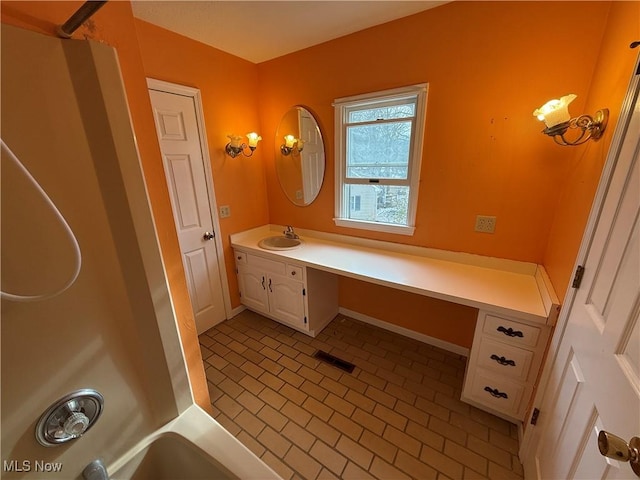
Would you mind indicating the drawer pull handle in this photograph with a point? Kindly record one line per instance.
(495, 392)
(293, 272)
(510, 332)
(270, 289)
(239, 257)
(503, 360)
(263, 287)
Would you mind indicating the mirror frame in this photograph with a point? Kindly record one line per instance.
(300, 172)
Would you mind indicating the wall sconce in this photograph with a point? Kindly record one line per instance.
(555, 115)
(235, 148)
(291, 143)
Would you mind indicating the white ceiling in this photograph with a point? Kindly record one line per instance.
(261, 30)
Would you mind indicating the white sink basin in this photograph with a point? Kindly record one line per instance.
(279, 242)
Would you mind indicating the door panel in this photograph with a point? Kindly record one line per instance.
(286, 300)
(594, 383)
(178, 133)
(184, 191)
(253, 289)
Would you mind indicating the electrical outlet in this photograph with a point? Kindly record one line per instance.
(225, 211)
(485, 224)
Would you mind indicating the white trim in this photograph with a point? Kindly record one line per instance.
(375, 226)
(394, 93)
(436, 342)
(420, 91)
(531, 436)
(237, 311)
(194, 93)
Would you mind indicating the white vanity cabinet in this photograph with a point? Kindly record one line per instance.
(300, 297)
(504, 363)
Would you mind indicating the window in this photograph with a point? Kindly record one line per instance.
(378, 155)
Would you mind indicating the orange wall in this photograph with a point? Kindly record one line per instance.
(437, 318)
(114, 24)
(488, 65)
(229, 88)
(582, 172)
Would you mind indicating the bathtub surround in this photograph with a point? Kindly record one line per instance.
(112, 335)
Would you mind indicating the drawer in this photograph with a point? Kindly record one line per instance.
(497, 393)
(265, 264)
(241, 257)
(295, 272)
(504, 359)
(511, 331)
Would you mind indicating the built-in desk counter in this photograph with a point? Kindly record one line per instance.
(517, 289)
(516, 302)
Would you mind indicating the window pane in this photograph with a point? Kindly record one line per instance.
(388, 112)
(379, 151)
(378, 203)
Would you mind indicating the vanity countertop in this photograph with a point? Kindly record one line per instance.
(517, 289)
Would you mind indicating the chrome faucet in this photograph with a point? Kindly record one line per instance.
(289, 233)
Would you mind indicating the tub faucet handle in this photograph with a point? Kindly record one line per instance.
(95, 471)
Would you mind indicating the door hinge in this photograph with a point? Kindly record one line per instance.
(534, 416)
(577, 278)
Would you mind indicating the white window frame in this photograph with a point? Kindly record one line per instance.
(342, 106)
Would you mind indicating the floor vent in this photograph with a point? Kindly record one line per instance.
(335, 361)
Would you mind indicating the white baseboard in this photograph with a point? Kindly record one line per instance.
(237, 311)
(450, 347)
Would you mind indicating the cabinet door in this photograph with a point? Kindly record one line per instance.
(253, 289)
(286, 300)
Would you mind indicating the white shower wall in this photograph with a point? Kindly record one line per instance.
(65, 117)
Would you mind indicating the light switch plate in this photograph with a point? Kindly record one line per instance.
(225, 211)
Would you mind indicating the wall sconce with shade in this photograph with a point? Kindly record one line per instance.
(235, 146)
(556, 117)
(291, 144)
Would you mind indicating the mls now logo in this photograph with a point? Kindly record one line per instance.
(29, 466)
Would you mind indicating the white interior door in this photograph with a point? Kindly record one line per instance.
(178, 134)
(312, 171)
(594, 381)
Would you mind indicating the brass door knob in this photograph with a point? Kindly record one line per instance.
(615, 447)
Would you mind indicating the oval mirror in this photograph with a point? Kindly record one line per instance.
(299, 156)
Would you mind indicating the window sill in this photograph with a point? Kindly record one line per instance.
(376, 227)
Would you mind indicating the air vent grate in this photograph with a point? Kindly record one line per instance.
(335, 361)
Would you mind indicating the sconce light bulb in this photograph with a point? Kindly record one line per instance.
(254, 138)
(289, 141)
(234, 140)
(555, 111)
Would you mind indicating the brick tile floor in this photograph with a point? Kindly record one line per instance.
(397, 415)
